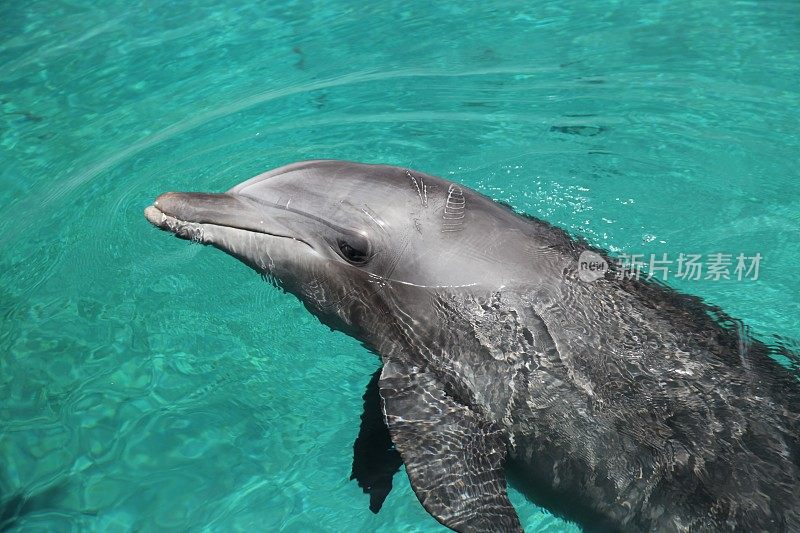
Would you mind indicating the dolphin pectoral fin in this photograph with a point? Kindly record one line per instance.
(453, 456)
(375, 459)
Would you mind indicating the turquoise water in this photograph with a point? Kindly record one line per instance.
(151, 384)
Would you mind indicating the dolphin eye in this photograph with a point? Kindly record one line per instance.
(354, 252)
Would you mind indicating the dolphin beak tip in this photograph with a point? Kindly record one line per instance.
(154, 215)
(163, 207)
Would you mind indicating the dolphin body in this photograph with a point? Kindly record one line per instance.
(622, 404)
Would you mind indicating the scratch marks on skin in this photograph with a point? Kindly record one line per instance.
(375, 218)
(434, 286)
(397, 257)
(199, 235)
(278, 202)
(454, 209)
(262, 251)
(385, 282)
(422, 189)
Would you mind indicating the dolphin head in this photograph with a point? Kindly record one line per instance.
(324, 230)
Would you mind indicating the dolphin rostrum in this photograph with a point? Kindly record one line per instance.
(616, 402)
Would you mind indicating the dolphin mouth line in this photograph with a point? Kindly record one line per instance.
(194, 230)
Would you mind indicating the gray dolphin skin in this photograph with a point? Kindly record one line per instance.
(618, 403)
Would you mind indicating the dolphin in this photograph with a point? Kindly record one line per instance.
(617, 402)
